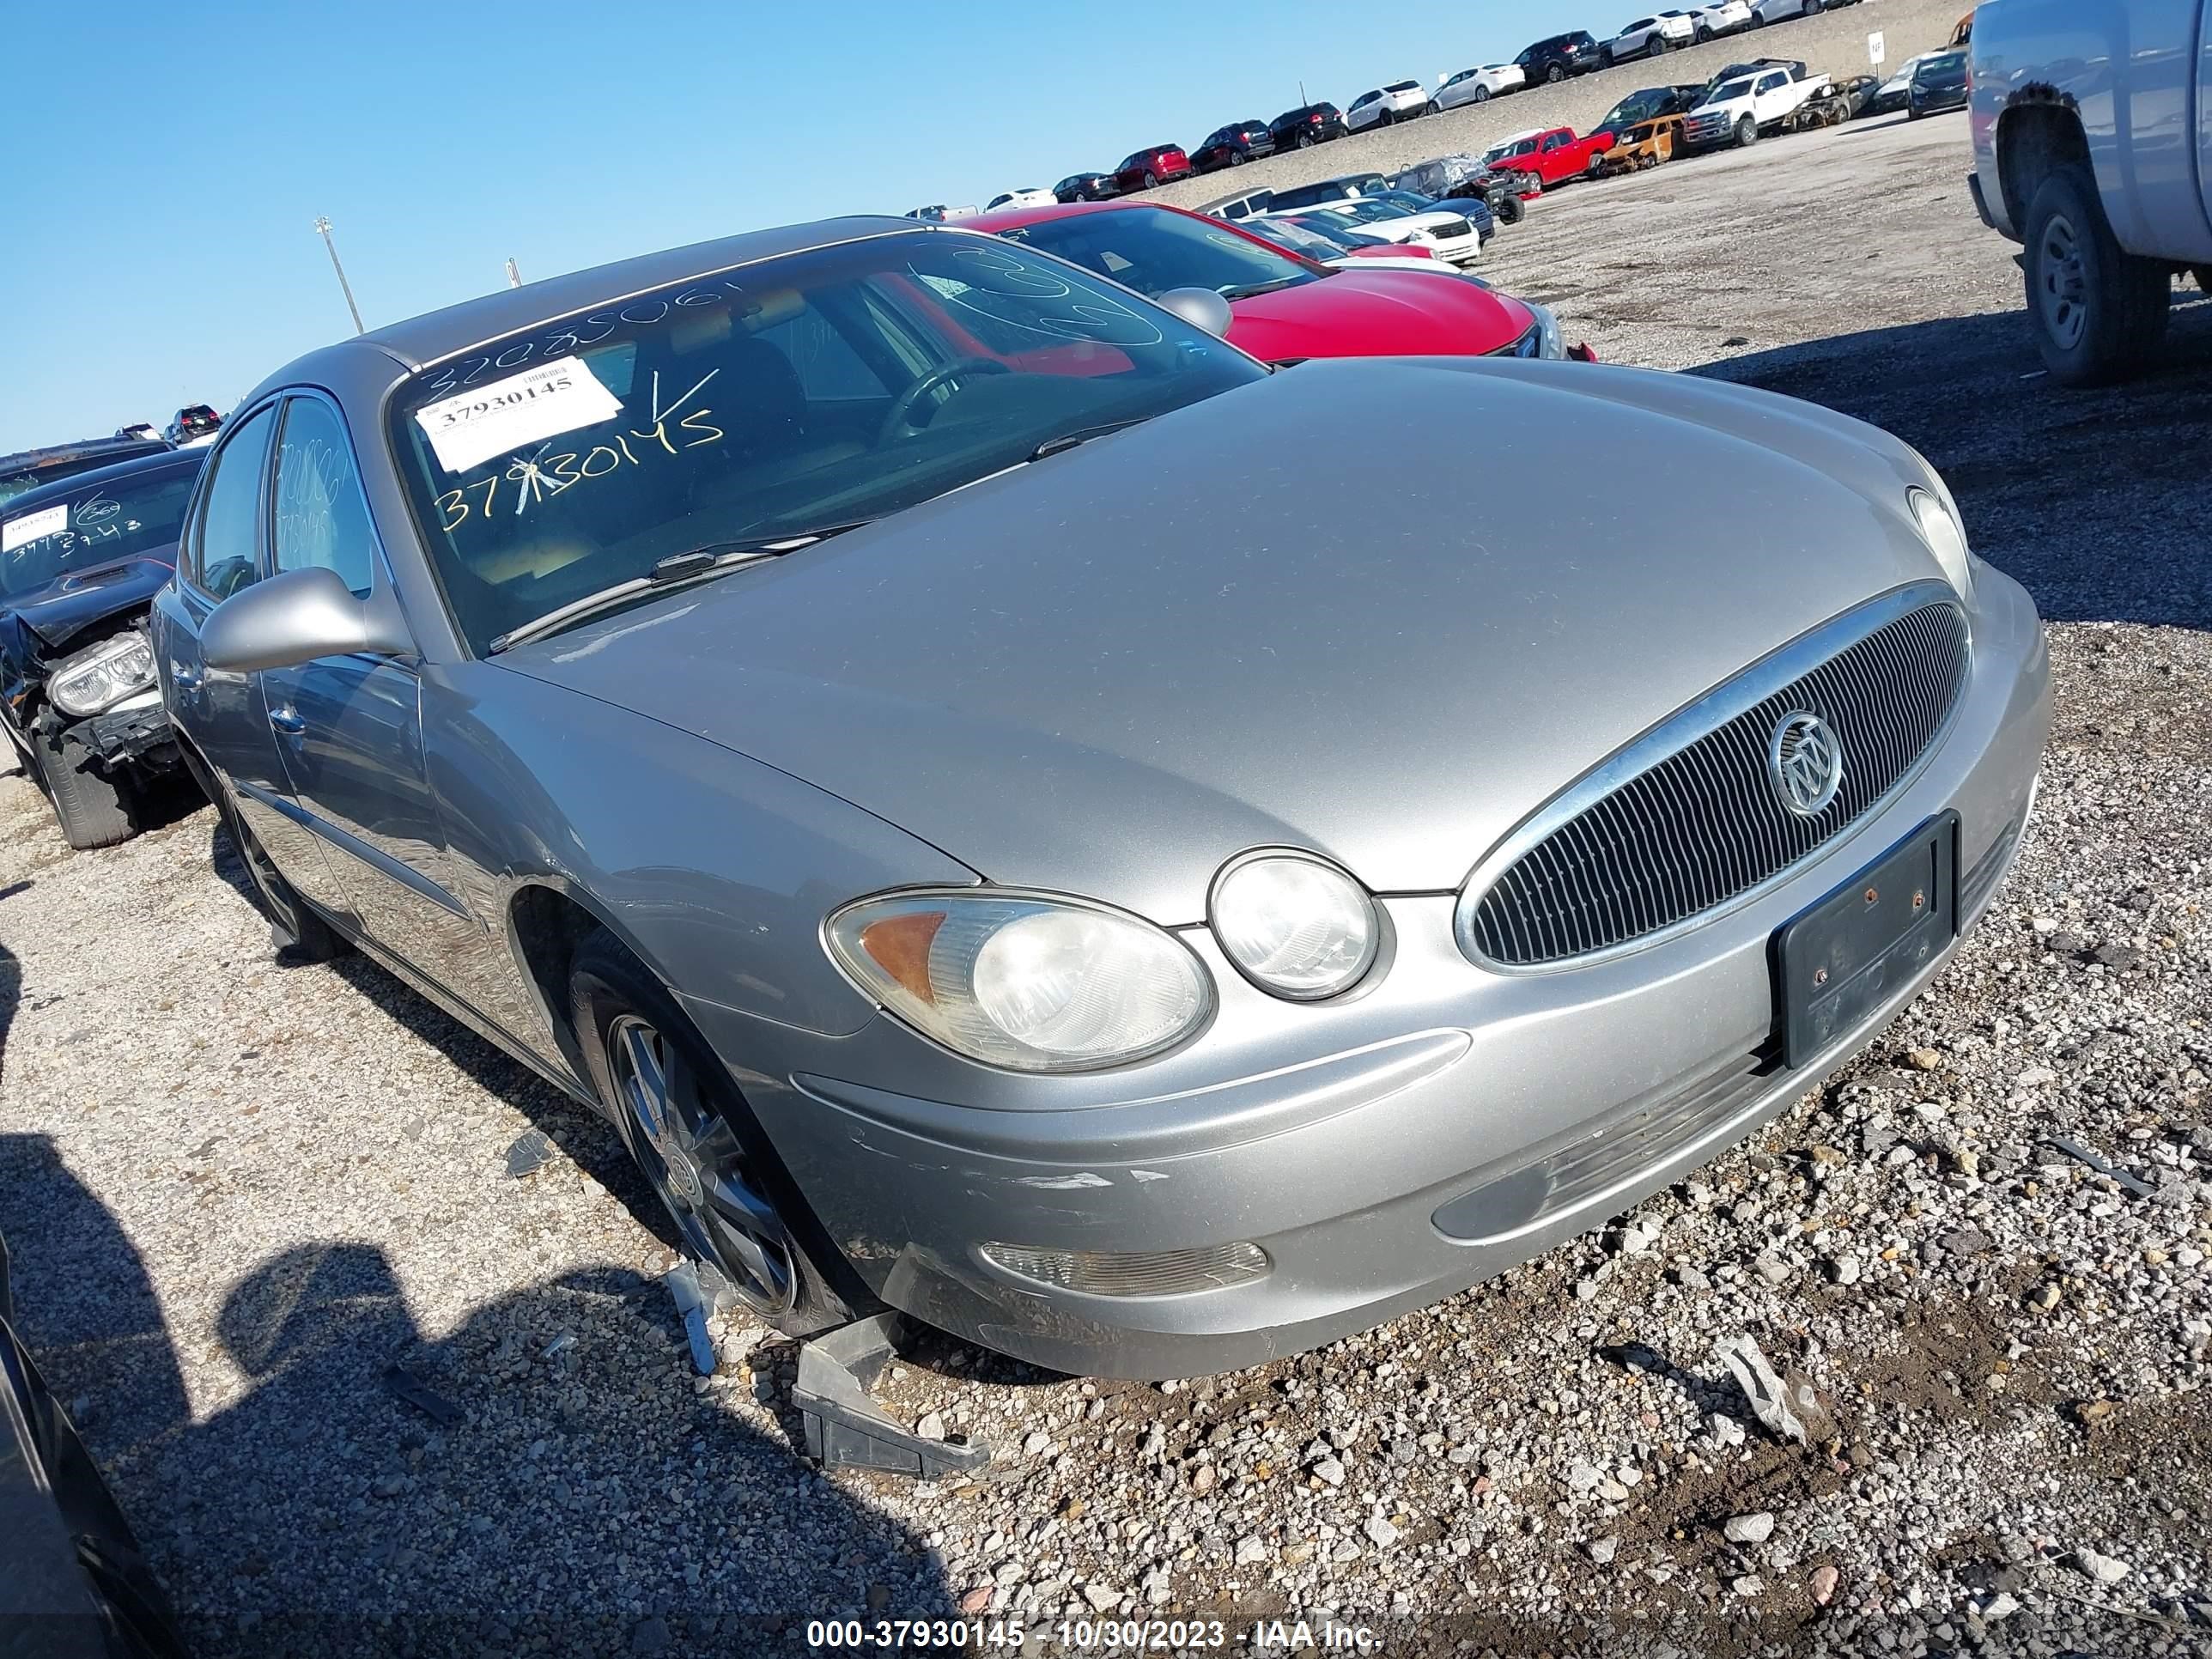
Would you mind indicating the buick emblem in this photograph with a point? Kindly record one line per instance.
(1805, 763)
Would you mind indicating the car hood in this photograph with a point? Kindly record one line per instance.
(60, 610)
(1109, 672)
(1378, 313)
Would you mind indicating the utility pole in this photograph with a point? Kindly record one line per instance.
(323, 228)
(513, 276)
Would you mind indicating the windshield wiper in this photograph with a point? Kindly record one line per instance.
(677, 570)
(1082, 434)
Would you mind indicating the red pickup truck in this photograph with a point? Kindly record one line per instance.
(1552, 153)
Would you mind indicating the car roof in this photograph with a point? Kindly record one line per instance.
(1015, 218)
(62, 489)
(416, 341)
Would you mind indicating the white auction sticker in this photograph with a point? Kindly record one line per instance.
(20, 532)
(520, 409)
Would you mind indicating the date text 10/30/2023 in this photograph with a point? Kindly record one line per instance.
(1093, 1636)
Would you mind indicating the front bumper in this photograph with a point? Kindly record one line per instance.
(1382, 1176)
(137, 733)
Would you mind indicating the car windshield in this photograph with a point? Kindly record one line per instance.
(94, 525)
(1510, 146)
(1639, 107)
(1153, 250)
(767, 403)
(1948, 66)
(1728, 92)
(1405, 201)
(1298, 237)
(1363, 212)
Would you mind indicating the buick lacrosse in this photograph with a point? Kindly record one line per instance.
(886, 716)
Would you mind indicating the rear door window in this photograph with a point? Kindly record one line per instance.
(227, 550)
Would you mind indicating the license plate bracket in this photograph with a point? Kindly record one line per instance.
(1842, 958)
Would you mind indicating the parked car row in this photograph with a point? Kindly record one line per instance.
(1552, 59)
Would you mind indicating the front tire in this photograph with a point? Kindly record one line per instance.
(1747, 133)
(2097, 310)
(95, 808)
(697, 1144)
(1509, 210)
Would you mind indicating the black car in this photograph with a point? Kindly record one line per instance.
(1234, 145)
(74, 1583)
(30, 468)
(1939, 83)
(1559, 56)
(193, 422)
(1647, 105)
(1086, 187)
(80, 563)
(1309, 124)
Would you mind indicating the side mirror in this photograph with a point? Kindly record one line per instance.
(1201, 307)
(297, 617)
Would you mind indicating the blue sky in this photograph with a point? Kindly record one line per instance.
(165, 164)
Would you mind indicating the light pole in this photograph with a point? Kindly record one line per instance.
(323, 228)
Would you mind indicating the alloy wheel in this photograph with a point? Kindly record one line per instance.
(697, 1168)
(2061, 285)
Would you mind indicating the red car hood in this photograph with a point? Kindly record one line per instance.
(1377, 313)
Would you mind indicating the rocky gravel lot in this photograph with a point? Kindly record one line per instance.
(238, 1191)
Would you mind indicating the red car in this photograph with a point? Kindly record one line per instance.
(1285, 308)
(1552, 153)
(1162, 164)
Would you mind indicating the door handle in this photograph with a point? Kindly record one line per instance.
(183, 676)
(287, 722)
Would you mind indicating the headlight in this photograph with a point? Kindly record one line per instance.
(1032, 984)
(1551, 342)
(102, 674)
(1945, 539)
(1294, 926)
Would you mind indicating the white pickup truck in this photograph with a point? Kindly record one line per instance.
(2093, 149)
(1764, 98)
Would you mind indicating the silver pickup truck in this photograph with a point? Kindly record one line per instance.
(2093, 149)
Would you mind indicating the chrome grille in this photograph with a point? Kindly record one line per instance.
(1701, 824)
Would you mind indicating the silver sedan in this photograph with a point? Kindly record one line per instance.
(884, 715)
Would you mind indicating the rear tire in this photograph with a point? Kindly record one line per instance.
(1236, 158)
(1555, 73)
(95, 808)
(1151, 181)
(2096, 310)
(700, 1148)
(1481, 95)
(1657, 48)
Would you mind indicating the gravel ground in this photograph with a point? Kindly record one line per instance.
(238, 1191)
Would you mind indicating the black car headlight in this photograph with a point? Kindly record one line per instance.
(101, 676)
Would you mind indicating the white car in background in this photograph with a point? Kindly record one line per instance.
(1335, 247)
(1777, 11)
(1399, 101)
(1710, 21)
(1022, 198)
(1652, 36)
(1478, 85)
(1450, 236)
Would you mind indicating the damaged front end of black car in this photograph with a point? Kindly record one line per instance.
(80, 563)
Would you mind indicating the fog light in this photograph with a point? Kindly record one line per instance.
(1133, 1273)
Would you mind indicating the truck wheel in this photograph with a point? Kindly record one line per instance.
(95, 808)
(698, 1147)
(1509, 210)
(2097, 310)
(1747, 133)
